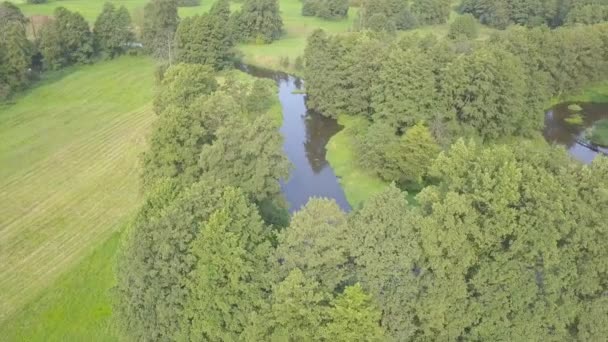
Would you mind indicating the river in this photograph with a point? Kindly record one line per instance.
(558, 131)
(305, 135)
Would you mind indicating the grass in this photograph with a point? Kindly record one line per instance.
(69, 153)
(292, 44)
(599, 133)
(358, 184)
(76, 308)
(597, 93)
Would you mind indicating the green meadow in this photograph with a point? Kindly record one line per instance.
(69, 152)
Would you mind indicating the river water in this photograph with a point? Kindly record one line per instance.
(558, 131)
(305, 135)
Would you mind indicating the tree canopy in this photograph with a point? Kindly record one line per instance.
(112, 30)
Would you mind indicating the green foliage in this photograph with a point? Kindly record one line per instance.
(326, 9)
(385, 15)
(159, 26)
(431, 12)
(10, 13)
(260, 98)
(66, 40)
(464, 26)
(180, 135)
(156, 259)
(112, 30)
(182, 84)
(188, 3)
(404, 91)
(15, 50)
(204, 39)
(486, 91)
(298, 310)
(316, 243)
(255, 166)
(588, 14)
(339, 71)
(353, 317)
(501, 13)
(36, 1)
(228, 284)
(259, 21)
(599, 133)
(575, 119)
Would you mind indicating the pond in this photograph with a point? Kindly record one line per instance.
(558, 130)
(305, 135)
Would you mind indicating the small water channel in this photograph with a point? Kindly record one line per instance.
(305, 135)
(559, 131)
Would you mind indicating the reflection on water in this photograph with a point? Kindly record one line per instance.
(305, 136)
(558, 131)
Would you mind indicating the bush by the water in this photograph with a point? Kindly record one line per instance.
(576, 119)
(575, 108)
(599, 133)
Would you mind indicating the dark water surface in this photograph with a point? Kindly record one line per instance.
(558, 131)
(305, 135)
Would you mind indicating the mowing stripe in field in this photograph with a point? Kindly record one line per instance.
(69, 170)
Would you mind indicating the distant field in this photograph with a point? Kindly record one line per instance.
(90, 9)
(69, 178)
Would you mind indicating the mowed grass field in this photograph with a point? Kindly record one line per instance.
(69, 171)
(77, 307)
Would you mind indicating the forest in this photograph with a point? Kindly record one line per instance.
(483, 231)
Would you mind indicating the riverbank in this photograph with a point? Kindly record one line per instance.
(358, 184)
(596, 93)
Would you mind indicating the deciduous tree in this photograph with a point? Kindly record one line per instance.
(112, 30)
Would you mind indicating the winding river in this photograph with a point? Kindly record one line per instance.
(305, 135)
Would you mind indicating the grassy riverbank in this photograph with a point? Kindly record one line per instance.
(358, 184)
(597, 93)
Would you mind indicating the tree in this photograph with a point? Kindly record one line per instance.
(256, 166)
(386, 258)
(112, 30)
(15, 50)
(486, 94)
(353, 317)
(182, 84)
(160, 23)
(413, 154)
(326, 9)
(464, 26)
(66, 40)
(385, 15)
(405, 91)
(298, 310)
(204, 39)
(36, 1)
(316, 243)
(10, 13)
(179, 136)
(260, 21)
(230, 279)
(431, 12)
(156, 259)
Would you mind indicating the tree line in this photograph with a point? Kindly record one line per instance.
(531, 13)
(444, 89)
(63, 41)
(391, 15)
(506, 242)
(67, 38)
